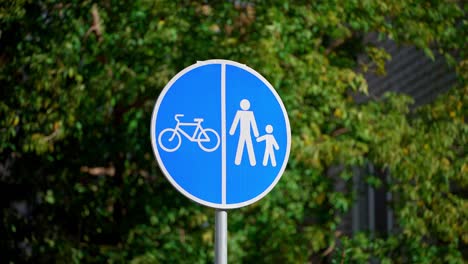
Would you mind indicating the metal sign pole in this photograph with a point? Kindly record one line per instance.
(221, 237)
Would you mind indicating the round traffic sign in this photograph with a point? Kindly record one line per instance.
(221, 134)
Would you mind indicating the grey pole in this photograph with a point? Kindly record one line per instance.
(221, 237)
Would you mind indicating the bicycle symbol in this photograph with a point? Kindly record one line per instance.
(170, 140)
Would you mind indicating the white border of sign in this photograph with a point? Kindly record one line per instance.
(223, 139)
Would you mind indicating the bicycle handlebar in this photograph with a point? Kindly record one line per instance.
(177, 117)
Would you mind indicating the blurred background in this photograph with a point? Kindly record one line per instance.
(376, 93)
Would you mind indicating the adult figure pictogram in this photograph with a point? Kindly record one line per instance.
(245, 119)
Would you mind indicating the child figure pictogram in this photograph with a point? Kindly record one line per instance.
(270, 143)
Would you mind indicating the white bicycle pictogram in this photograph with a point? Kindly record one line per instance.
(170, 139)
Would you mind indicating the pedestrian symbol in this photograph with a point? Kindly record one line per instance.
(221, 134)
(246, 120)
(270, 144)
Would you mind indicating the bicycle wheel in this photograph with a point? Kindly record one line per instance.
(208, 140)
(168, 141)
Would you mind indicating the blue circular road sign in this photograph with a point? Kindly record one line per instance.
(221, 134)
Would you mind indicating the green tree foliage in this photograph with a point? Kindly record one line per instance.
(78, 82)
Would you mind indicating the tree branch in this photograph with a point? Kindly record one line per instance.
(96, 26)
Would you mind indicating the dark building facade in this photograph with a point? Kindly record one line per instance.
(410, 71)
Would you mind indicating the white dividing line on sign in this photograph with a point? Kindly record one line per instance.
(223, 133)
